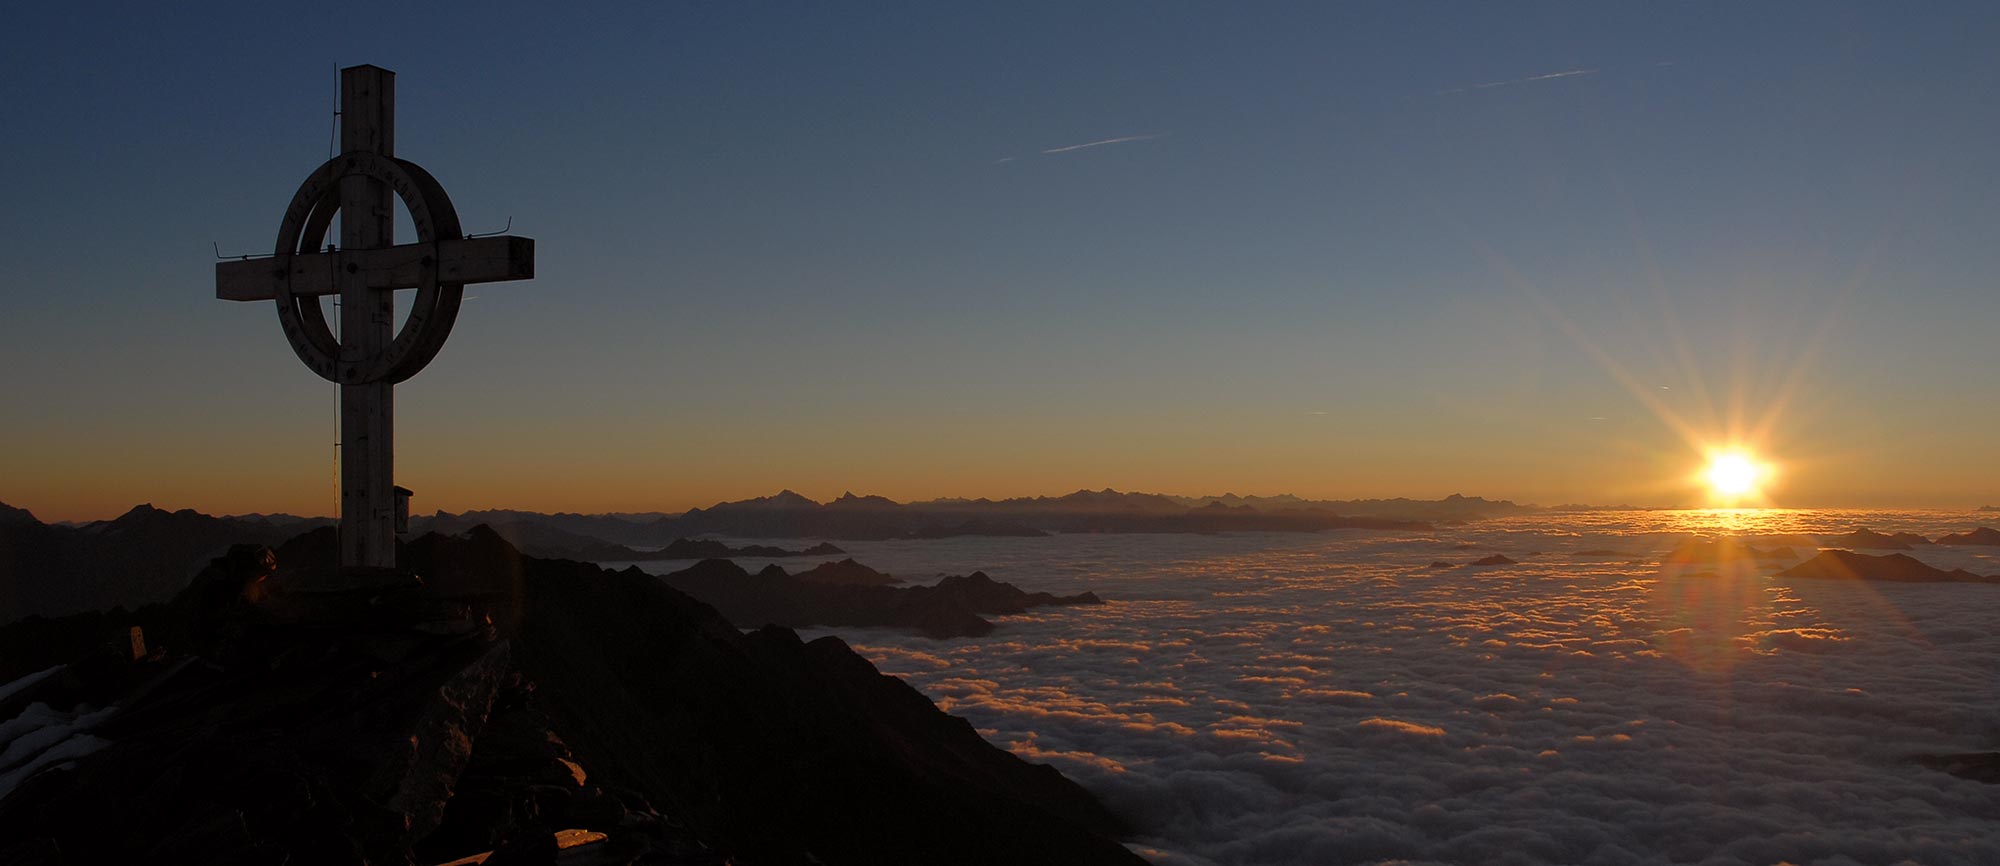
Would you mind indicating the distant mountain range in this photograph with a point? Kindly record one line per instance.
(148, 554)
(851, 517)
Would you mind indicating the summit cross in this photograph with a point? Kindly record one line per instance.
(365, 269)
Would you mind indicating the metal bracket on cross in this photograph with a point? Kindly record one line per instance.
(438, 266)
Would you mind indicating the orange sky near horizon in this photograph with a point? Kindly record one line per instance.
(526, 466)
(1333, 251)
(1530, 414)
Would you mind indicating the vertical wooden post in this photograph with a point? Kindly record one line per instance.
(367, 326)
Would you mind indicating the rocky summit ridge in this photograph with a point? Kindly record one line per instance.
(480, 702)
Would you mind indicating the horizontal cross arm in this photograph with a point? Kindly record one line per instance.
(471, 260)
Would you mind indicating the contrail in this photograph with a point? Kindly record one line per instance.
(1104, 142)
(1543, 77)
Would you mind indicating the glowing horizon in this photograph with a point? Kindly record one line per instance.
(1417, 263)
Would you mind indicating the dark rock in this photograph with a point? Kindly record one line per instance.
(983, 594)
(146, 555)
(1439, 564)
(848, 572)
(770, 748)
(595, 809)
(534, 847)
(538, 538)
(1895, 567)
(952, 608)
(685, 548)
(306, 751)
(1869, 539)
(33, 852)
(11, 516)
(1495, 559)
(789, 515)
(850, 501)
(1984, 536)
(304, 741)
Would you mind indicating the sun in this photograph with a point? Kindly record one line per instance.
(1733, 475)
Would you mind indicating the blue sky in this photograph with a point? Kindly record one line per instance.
(828, 248)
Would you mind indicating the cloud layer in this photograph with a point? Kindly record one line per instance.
(1327, 699)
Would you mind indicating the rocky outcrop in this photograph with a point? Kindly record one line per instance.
(1895, 567)
(846, 572)
(1869, 539)
(1496, 559)
(271, 741)
(11, 516)
(1984, 536)
(771, 748)
(538, 538)
(508, 704)
(985, 595)
(145, 555)
(950, 609)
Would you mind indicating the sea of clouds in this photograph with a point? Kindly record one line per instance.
(1325, 699)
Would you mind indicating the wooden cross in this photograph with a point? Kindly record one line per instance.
(365, 269)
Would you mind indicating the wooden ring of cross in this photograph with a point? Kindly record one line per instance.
(304, 228)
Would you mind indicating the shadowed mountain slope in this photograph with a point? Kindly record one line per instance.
(1984, 536)
(145, 555)
(290, 717)
(1895, 567)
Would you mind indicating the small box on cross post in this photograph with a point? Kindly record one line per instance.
(402, 510)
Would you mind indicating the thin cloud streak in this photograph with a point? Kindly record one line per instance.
(1542, 77)
(1120, 140)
